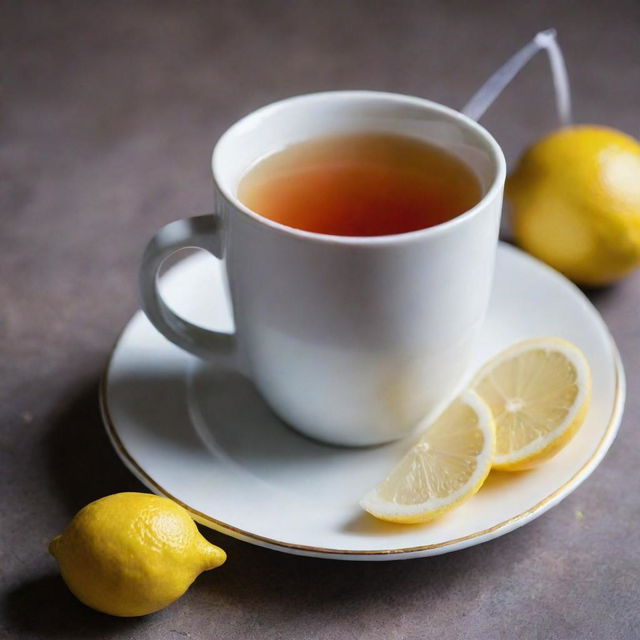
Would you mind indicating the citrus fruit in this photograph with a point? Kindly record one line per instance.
(446, 466)
(130, 554)
(575, 199)
(538, 392)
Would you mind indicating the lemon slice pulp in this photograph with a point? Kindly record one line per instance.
(538, 392)
(446, 466)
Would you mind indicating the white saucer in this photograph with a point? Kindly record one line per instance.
(206, 439)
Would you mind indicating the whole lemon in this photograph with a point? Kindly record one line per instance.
(130, 554)
(576, 203)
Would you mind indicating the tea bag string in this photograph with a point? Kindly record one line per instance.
(493, 87)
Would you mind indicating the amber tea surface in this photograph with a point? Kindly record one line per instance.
(360, 185)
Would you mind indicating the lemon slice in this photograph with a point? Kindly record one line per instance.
(538, 392)
(447, 465)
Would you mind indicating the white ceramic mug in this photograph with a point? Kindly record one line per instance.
(351, 340)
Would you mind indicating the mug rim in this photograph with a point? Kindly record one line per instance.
(489, 141)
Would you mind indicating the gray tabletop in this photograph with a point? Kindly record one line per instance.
(109, 114)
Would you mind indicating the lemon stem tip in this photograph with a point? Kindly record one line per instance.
(53, 545)
(213, 556)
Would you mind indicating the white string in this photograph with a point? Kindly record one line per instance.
(559, 74)
(493, 87)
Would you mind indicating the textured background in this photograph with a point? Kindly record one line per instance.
(109, 114)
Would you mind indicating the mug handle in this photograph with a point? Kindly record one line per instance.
(200, 232)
